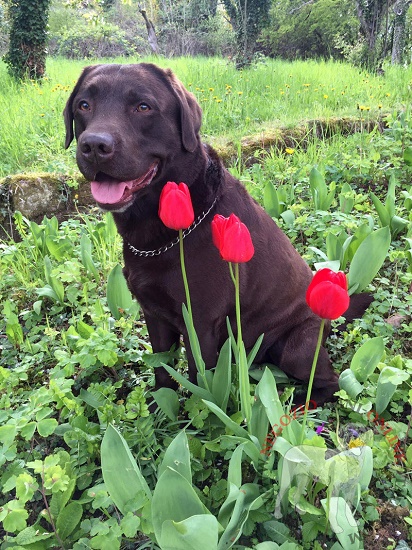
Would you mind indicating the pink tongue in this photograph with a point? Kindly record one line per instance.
(108, 192)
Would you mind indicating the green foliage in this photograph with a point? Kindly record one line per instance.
(76, 362)
(27, 49)
(93, 41)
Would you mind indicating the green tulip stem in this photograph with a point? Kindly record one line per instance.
(183, 267)
(244, 384)
(196, 351)
(311, 378)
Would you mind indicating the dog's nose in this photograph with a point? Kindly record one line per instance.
(97, 147)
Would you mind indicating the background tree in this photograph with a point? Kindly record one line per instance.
(248, 18)
(400, 10)
(304, 30)
(28, 37)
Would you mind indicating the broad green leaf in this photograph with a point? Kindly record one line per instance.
(269, 396)
(271, 200)
(407, 156)
(318, 188)
(222, 376)
(86, 256)
(47, 426)
(349, 383)
(177, 457)
(342, 522)
(277, 531)
(119, 297)
(59, 249)
(121, 474)
(389, 379)
(267, 545)
(174, 499)
(168, 401)
(248, 498)
(32, 535)
(368, 259)
(366, 358)
(383, 213)
(68, 519)
(398, 225)
(130, 525)
(235, 467)
(193, 533)
(288, 217)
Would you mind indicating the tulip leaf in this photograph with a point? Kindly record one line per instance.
(342, 522)
(121, 474)
(389, 379)
(177, 457)
(174, 499)
(271, 200)
(348, 383)
(168, 402)
(368, 259)
(222, 377)
(119, 297)
(199, 531)
(366, 358)
(407, 156)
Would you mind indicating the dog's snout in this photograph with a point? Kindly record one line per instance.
(97, 147)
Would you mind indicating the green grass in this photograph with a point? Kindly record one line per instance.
(234, 103)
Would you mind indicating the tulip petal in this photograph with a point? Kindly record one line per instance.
(175, 206)
(328, 300)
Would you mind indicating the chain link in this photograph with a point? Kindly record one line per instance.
(185, 233)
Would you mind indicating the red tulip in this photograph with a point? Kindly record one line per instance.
(327, 294)
(175, 206)
(232, 238)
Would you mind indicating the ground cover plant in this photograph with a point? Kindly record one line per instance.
(83, 462)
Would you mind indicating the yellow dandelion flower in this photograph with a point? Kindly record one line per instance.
(387, 94)
(316, 89)
(380, 106)
(240, 93)
(211, 89)
(282, 92)
(218, 100)
(325, 96)
(355, 443)
(289, 150)
(306, 85)
(342, 93)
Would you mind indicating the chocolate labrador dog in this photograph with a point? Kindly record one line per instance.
(137, 128)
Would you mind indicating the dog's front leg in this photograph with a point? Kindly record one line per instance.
(162, 338)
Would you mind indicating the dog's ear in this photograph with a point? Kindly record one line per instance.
(68, 110)
(190, 114)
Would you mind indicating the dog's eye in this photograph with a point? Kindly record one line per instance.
(143, 108)
(84, 106)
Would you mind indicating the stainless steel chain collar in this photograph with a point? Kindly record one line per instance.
(185, 233)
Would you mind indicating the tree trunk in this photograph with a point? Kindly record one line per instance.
(400, 8)
(26, 56)
(151, 33)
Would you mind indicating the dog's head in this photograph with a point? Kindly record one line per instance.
(132, 123)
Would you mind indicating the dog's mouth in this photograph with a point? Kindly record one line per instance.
(109, 191)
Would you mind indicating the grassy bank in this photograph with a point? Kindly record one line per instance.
(234, 104)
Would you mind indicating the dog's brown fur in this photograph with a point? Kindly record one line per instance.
(128, 118)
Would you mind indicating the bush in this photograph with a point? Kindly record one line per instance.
(103, 40)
